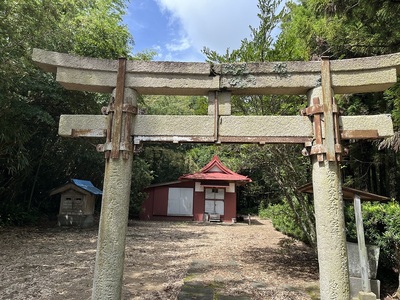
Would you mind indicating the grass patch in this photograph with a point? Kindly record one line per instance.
(313, 292)
(189, 277)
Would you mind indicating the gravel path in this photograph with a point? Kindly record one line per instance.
(162, 259)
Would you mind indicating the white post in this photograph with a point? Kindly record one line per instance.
(362, 249)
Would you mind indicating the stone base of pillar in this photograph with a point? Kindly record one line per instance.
(365, 296)
(356, 287)
(82, 221)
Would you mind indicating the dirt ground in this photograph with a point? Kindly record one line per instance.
(235, 259)
(256, 260)
(161, 259)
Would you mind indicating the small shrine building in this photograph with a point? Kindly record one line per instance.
(77, 203)
(207, 195)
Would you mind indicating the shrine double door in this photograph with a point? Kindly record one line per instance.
(214, 201)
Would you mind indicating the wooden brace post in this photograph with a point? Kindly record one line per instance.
(119, 131)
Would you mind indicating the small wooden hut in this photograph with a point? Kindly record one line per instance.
(77, 203)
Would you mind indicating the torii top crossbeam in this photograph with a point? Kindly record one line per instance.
(358, 75)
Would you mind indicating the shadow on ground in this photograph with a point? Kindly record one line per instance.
(302, 260)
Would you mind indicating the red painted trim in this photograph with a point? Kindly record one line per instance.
(225, 175)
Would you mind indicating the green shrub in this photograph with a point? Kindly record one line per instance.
(16, 216)
(263, 212)
(282, 219)
(381, 227)
(141, 179)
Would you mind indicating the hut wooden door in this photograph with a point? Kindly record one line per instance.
(72, 203)
(214, 201)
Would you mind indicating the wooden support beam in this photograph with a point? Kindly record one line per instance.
(318, 147)
(328, 121)
(118, 102)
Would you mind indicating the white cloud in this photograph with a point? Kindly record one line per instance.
(178, 45)
(217, 24)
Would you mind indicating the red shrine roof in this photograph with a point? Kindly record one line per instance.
(216, 171)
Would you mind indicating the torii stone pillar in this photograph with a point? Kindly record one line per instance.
(330, 225)
(110, 255)
(328, 200)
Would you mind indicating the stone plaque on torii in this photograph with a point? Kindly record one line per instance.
(320, 128)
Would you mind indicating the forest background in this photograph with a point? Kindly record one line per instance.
(34, 159)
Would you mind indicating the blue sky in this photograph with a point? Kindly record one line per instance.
(179, 29)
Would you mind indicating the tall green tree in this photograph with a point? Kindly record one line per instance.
(339, 28)
(174, 105)
(349, 29)
(276, 166)
(33, 159)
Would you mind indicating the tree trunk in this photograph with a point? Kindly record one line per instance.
(397, 294)
(382, 175)
(36, 178)
(392, 174)
(374, 179)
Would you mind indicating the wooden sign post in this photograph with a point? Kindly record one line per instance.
(320, 128)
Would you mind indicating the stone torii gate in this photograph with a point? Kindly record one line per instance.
(320, 128)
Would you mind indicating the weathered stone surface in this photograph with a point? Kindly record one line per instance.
(361, 75)
(329, 216)
(363, 81)
(354, 260)
(154, 125)
(383, 123)
(168, 67)
(265, 84)
(151, 78)
(81, 122)
(366, 296)
(224, 103)
(330, 227)
(152, 128)
(356, 287)
(366, 74)
(87, 80)
(145, 83)
(166, 78)
(364, 63)
(279, 126)
(110, 254)
(49, 61)
(172, 84)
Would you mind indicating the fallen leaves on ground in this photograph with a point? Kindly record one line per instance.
(58, 263)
